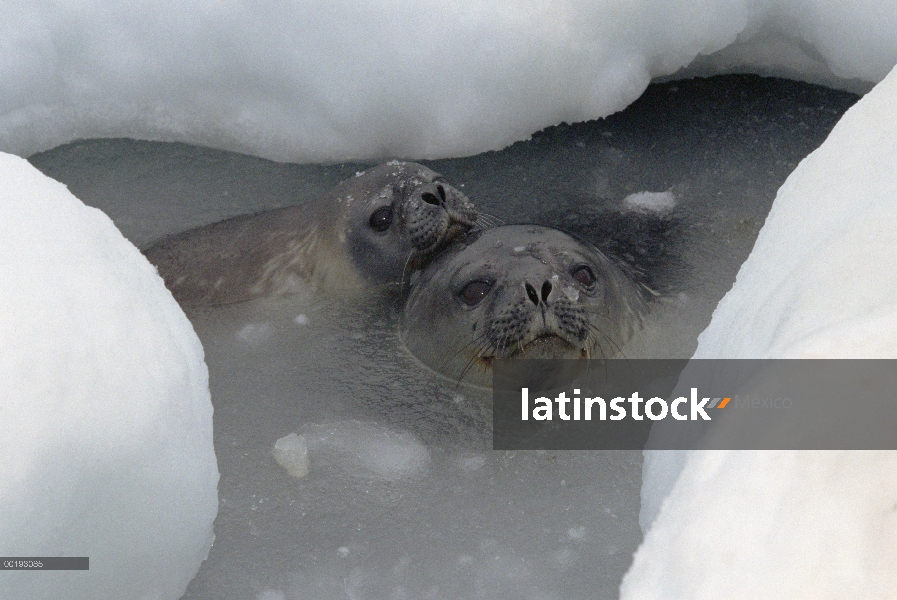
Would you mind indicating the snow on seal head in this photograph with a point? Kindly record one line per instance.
(106, 428)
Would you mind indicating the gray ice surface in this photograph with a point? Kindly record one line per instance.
(404, 497)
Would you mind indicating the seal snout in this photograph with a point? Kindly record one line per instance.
(435, 214)
(437, 199)
(535, 297)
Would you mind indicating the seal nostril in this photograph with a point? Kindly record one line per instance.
(430, 198)
(441, 191)
(546, 289)
(531, 292)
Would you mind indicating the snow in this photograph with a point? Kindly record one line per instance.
(794, 524)
(765, 524)
(106, 430)
(338, 80)
(819, 269)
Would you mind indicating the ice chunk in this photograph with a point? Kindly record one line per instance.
(368, 450)
(255, 333)
(291, 453)
(656, 202)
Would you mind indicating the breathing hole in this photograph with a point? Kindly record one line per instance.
(546, 289)
(430, 198)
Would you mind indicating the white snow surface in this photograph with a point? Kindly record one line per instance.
(105, 416)
(818, 284)
(331, 81)
(769, 524)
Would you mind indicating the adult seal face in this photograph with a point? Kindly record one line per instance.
(520, 291)
(371, 230)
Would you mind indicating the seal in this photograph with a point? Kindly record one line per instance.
(519, 291)
(369, 231)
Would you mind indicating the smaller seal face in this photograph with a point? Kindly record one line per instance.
(520, 291)
(371, 230)
(398, 229)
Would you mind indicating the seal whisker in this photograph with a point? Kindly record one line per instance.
(594, 328)
(477, 343)
(405, 268)
(477, 355)
(487, 221)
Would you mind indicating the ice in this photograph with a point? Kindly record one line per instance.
(658, 202)
(773, 524)
(106, 429)
(367, 450)
(255, 333)
(473, 522)
(310, 82)
(291, 453)
(810, 524)
(816, 283)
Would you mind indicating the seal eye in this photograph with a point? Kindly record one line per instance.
(381, 218)
(474, 292)
(584, 275)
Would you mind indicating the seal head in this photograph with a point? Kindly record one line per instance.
(398, 229)
(520, 291)
(372, 230)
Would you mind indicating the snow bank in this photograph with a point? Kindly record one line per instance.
(105, 416)
(818, 284)
(744, 525)
(337, 80)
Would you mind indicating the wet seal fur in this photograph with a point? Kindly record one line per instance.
(519, 291)
(371, 230)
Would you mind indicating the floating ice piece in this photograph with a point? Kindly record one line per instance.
(255, 333)
(656, 202)
(367, 450)
(291, 453)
